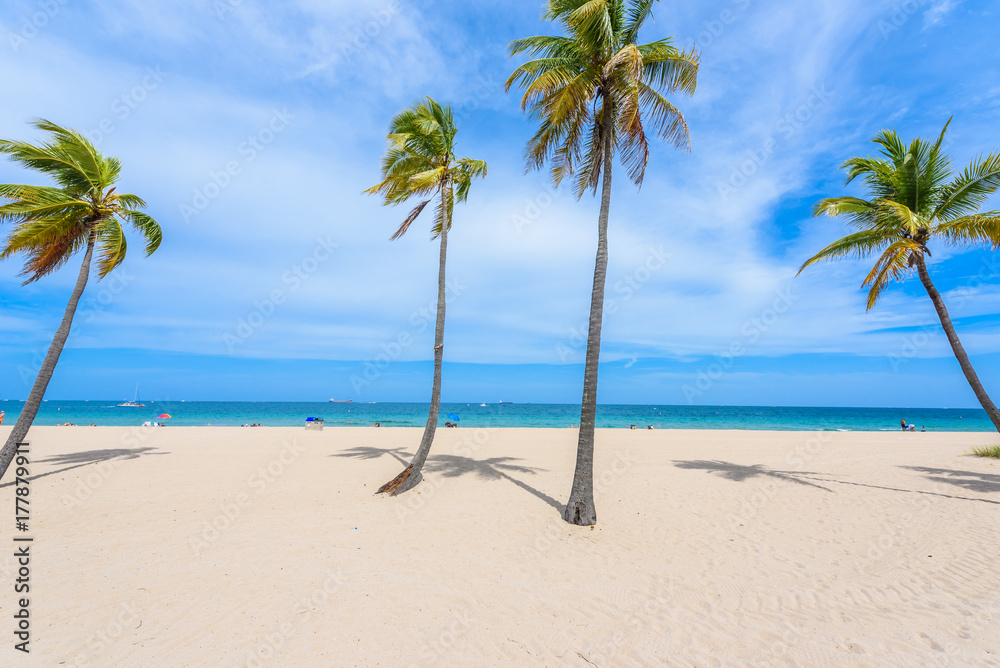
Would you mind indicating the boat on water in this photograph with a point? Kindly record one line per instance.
(341, 401)
(135, 403)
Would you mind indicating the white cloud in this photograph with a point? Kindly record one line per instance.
(938, 12)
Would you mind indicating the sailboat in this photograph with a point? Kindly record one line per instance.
(135, 401)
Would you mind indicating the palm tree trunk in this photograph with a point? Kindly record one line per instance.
(411, 477)
(30, 408)
(956, 345)
(580, 508)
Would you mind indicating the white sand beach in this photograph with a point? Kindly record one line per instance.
(253, 547)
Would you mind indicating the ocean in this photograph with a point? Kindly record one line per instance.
(289, 414)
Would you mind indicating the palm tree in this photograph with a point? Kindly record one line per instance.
(420, 162)
(51, 224)
(593, 91)
(915, 197)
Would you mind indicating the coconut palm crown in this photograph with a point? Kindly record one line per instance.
(914, 199)
(420, 162)
(52, 223)
(597, 71)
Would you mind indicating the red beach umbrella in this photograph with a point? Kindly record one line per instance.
(163, 416)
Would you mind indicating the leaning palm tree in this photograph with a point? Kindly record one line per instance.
(51, 224)
(593, 92)
(420, 162)
(914, 197)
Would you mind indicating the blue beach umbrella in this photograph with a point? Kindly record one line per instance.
(454, 417)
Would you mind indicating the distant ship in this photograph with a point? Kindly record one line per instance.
(341, 401)
(135, 403)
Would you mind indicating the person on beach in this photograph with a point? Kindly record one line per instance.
(1, 417)
(902, 423)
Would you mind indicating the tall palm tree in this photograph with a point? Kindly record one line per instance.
(420, 162)
(914, 197)
(51, 224)
(593, 92)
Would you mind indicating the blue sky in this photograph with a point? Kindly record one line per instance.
(251, 128)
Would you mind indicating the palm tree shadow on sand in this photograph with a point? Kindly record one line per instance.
(453, 466)
(979, 482)
(79, 459)
(741, 473)
(971, 480)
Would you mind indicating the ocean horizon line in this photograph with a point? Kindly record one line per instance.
(115, 412)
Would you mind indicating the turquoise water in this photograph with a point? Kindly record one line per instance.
(281, 414)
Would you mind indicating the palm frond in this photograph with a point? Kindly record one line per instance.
(588, 176)
(632, 143)
(665, 118)
(838, 206)
(971, 189)
(443, 211)
(903, 216)
(972, 229)
(46, 244)
(860, 244)
(465, 172)
(111, 246)
(130, 201)
(638, 12)
(892, 146)
(423, 182)
(147, 226)
(549, 46)
(668, 69)
(893, 265)
(409, 220)
(629, 58)
(592, 22)
(29, 202)
(68, 157)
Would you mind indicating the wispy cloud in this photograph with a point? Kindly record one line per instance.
(938, 12)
